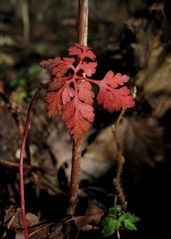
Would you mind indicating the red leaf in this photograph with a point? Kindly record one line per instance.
(70, 92)
(78, 117)
(88, 68)
(56, 83)
(54, 102)
(115, 80)
(81, 51)
(63, 66)
(68, 111)
(79, 113)
(50, 63)
(58, 66)
(67, 94)
(111, 98)
(85, 92)
(87, 112)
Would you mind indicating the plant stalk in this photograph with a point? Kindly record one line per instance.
(75, 175)
(83, 22)
(76, 152)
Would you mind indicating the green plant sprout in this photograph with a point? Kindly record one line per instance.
(117, 219)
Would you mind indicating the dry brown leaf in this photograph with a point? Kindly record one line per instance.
(156, 86)
(92, 217)
(9, 213)
(57, 233)
(99, 156)
(19, 235)
(152, 56)
(143, 141)
(13, 220)
(39, 231)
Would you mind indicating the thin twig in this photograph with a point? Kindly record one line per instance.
(120, 162)
(120, 117)
(14, 111)
(11, 164)
(22, 151)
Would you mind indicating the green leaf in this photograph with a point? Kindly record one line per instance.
(110, 225)
(131, 217)
(128, 220)
(117, 219)
(129, 225)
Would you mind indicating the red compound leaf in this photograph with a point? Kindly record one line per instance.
(81, 51)
(112, 98)
(71, 95)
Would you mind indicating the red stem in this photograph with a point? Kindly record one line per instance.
(22, 151)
